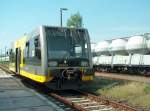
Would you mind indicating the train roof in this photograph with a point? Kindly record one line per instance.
(36, 31)
(64, 27)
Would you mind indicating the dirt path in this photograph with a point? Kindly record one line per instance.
(123, 77)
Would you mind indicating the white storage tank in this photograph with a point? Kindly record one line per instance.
(146, 60)
(137, 59)
(104, 60)
(118, 47)
(95, 60)
(148, 44)
(121, 60)
(102, 48)
(137, 44)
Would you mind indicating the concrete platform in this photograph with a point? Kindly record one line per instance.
(14, 96)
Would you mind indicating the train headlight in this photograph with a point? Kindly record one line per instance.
(84, 63)
(53, 63)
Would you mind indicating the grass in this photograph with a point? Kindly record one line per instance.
(134, 93)
(4, 63)
(143, 101)
(147, 88)
(100, 83)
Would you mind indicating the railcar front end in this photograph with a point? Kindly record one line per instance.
(57, 56)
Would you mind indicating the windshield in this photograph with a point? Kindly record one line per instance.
(66, 43)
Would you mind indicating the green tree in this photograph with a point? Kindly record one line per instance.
(75, 20)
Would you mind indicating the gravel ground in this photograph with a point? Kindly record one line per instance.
(123, 77)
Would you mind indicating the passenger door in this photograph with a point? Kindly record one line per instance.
(18, 60)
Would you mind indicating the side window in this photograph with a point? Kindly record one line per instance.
(26, 52)
(37, 48)
(27, 49)
(33, 52)
(78, 50)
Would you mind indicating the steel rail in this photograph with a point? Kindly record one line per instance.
(108, 102)
(73, 105)
(92, 97)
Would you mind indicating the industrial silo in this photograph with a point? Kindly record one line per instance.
(118, 52)
(137, 47)
(102, 48)
(118, 47)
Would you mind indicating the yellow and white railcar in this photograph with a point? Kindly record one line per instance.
(54, 55)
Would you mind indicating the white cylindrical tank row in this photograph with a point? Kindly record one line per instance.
(139, 44)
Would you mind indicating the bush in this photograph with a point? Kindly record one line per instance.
(147, 88)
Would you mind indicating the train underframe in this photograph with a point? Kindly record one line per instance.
(68, 79)
(134, 69)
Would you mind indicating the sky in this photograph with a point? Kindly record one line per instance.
(104, 19)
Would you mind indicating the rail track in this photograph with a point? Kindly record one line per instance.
(74, 100)
(83, 101)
